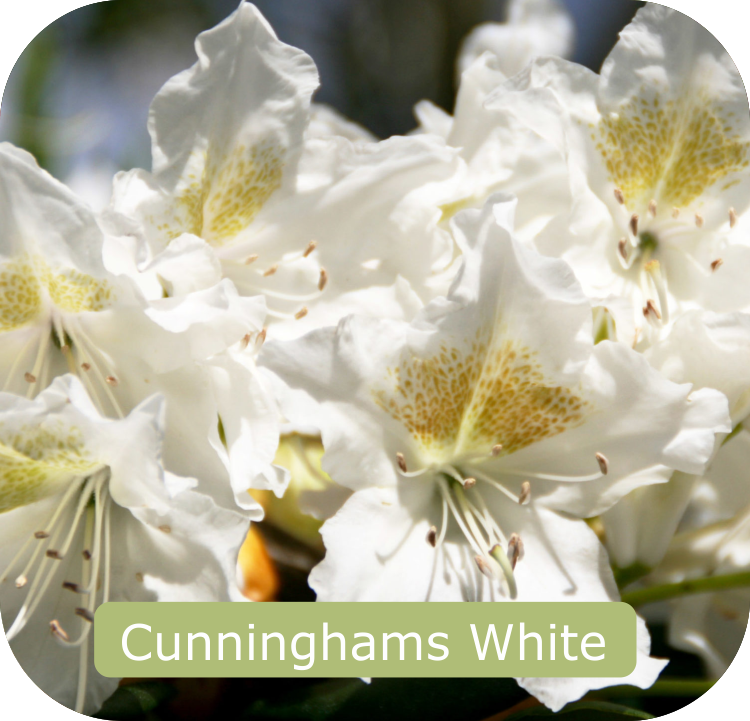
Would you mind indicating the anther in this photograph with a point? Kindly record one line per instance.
(698, 220)
(619, 197)
(732, 217)
(496, 449)
(525, 495)
(675, 213)
(301, 313)
(29, 377)
(634, 224)
(139, 577)
(165, 529)
(432, 536)
(401, 462)
(483, 566)
(717, 264)
(469, 483)
(515, 550)
(111, 380)
(323, 280)
(622, 247)
(21, 581)
(260, 339)
(251, 258)
(86, 366)
(245, 341)
(41, 534)
(651, 309)
(70, 586)
(86, 555)
(85, 614)
(652, 208)
(58, 631)
(311, 246)
(54, 554)
(601, 459)
(271, 270)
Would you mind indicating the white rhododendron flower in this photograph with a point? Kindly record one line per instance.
(707, 350)
(315, 226)
(62, 311)
(714, 541)
(658, 149)
(465, 433)
(533, 28)
(88, 516)
(501, 153)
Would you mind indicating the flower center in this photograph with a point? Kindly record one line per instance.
(462, 499)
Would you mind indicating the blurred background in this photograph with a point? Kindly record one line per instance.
(78, 96)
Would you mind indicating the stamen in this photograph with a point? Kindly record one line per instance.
(496, 449)
(443, 522)
(650, 311)
(270, 271)
(245, 341)
(41, 534)
(57, 630)
(432, 536)
(601, 459)
(698, 220)
(469, 483)
(111, 380)
(86, 366)
(715, 265)
(260, 339)
(483, 566)
(525, 496)
(653, 271)
(622, 247)
(311, 246)
(537, 476)
(70, 586)
(85, 614)
(401, 462)
(54, 554)
(86, 555)
(634, 224)
(619, 197)
(515, 550)
(675, 213)
(29, 377)
(323, 280)
(652, 208)
(732, 217)
(251, 259)
(165, 529)
(84, 345)
(21, 581)
(445, 490)
(301, 313)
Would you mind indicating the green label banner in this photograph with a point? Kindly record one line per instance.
(365, 639)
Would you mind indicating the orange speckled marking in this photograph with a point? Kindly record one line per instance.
(231, 190)
(465, 402)
(673, 150)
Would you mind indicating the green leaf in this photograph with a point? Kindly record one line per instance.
(443, 699)
(135, 700)
(582, 711)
